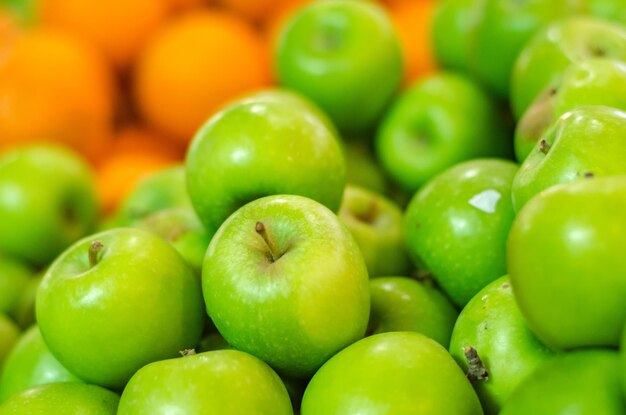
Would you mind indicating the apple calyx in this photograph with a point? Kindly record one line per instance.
(187, 352)
(476, 370)
(273, 253)
(589, 175)
(370, 214)
(544, 146)
(95, 247)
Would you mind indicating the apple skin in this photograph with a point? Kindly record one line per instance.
(295, 312)
(623, 354)
(492, 324)
(183, 230)
(62, 399)
(14, 278)
(565, 266)
(588, 141)
(139, 303)
(437, 123)
(346, 57)
(161, 190)
(590, 82)
(9, 333)
(362, 169)
(578, 382)
(457, 225)
(404, 304)
(376, 225)
(548, 54)
(398, 373)
(24, 312)
(258, 147)
(47, 201)
(30, 364)
(225, 382)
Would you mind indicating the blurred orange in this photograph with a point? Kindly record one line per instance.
(412, 21)
(187, 4)
(8, 25)
(134, 153)
(253, 9)
(54, 87)
(193, 66)
(119, 27)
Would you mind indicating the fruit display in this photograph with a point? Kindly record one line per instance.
(312, 207)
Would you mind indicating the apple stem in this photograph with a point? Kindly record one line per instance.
(476, 368)
(187, 352)
(544, 146)
(94, 249)
(262, 230)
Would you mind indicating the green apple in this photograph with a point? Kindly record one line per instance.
(586, 142)
(14, 277)
(362, 169)
(9, 334)
(376, 225)
(183, 230)
(161, 190)
(591, 82)
(493, 344)
(551, 51)
(47, 201)
(404, 304)
(623, 348)
(30, 364)
(438, 122)
(116, 301)
(62, 399)
(454, 22)
(259, 147)
(223, 382)
(400, 373)
(566, 264)
(24, 312)
(579, 382)
(457, 225)
(346, 57)
(284, 280)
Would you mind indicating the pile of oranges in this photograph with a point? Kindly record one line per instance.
(128, 82)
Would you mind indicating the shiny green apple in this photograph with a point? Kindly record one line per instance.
(457, 225)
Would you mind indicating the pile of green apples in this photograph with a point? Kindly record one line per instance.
(343, 246)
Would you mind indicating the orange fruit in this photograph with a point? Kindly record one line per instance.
(134, 153)
(53, 87)
(119, 27)
(275, 23)
(253, 9)
(412, 21)
(195, 65)
(178, 5)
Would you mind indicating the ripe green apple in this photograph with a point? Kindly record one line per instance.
(284, 280)
(116, 301)
(438, 122)
(586, 142)
(346, 57)
(47, 201)
(590, 82)
(362, 169)
(258, 147)
(62, 399)
(24, 312)
(405, 304)
(551, 51)
(578, 382)
(161, 190)
(9, 333)
(400, 373)
(30, 364)
(376, 225)
(183, 230)
(566, 265)
(454, 21)
(14, 277)
(457, 225)
(217, 382)
(493, 344)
